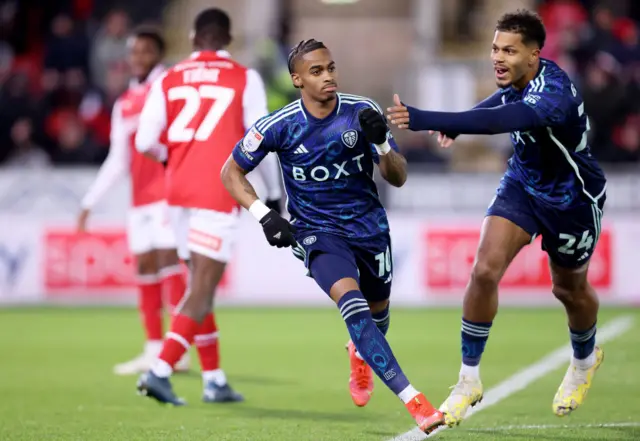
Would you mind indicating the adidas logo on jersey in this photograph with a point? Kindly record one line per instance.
(300, 150)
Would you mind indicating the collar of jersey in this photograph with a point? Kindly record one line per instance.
(220, 54)
(312, 119)
(543, 63)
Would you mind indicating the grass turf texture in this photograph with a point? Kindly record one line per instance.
(56, 381)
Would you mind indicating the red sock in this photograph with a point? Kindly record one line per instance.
(206, 341)
(150, 306)
(178, 340)
(174, 284)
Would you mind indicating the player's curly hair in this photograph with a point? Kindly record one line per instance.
(302, 48)
(526, 23)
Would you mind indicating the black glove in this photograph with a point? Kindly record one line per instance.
(373, 125)
(275, 205)
(279, 231)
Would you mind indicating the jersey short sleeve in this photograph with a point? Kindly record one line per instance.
(254, 146)
(551, 97)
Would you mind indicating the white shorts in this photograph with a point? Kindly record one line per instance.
(207, 232)
(149, 228)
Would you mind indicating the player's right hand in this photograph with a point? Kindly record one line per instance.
(443, 139)
(278, 231)
(275, 205)
(83, 219)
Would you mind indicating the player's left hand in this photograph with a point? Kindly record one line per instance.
(278, 231)
(373, 125)
(398, 115)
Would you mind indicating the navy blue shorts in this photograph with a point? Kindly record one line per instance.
(569, 234)
(370, 263)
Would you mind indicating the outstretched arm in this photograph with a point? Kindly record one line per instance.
(493, 100)
(502, 119)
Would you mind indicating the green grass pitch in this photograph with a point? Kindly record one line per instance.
(56, 382)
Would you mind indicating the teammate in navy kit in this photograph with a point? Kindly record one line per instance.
(327, 143)
(553, 187)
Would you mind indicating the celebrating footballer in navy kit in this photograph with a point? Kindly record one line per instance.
(553, 187)
(328, 143)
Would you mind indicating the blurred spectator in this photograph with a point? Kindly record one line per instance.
(24, 152)
(67, 47)
(110, 46)
(58, 85)
(626, 141)
(75, 146)
(604, 98)
(626, 32)
(603, 57)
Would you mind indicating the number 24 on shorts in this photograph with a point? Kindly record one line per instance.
(586, 242)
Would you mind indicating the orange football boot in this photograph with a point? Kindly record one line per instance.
(361, 378)
(426, 416)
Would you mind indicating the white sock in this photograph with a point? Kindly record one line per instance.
(153, 347)
(585, 363)
(161, 369)
(408, 394)
(470, 371)
(217, 377)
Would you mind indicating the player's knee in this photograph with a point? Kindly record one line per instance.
(147, 263)
(486, 274)
(206, 274)
(573, 293)
(167, 258)
(342, 287)
(378, 306)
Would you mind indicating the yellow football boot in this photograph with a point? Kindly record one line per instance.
(575, 385)
(467, 393)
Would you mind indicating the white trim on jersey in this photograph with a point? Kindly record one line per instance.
(574, 166)
(271, 121)
(302, 110)
(594, 199)
(583, 141)
(353, 99)
(538, 84)
(260, 125)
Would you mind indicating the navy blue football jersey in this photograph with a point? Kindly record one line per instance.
(327, 166)
(554, 162)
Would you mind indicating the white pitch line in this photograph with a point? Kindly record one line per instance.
(554, 427)
(525, 377)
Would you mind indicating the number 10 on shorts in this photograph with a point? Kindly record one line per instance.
(384, 263)
(586, 242)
